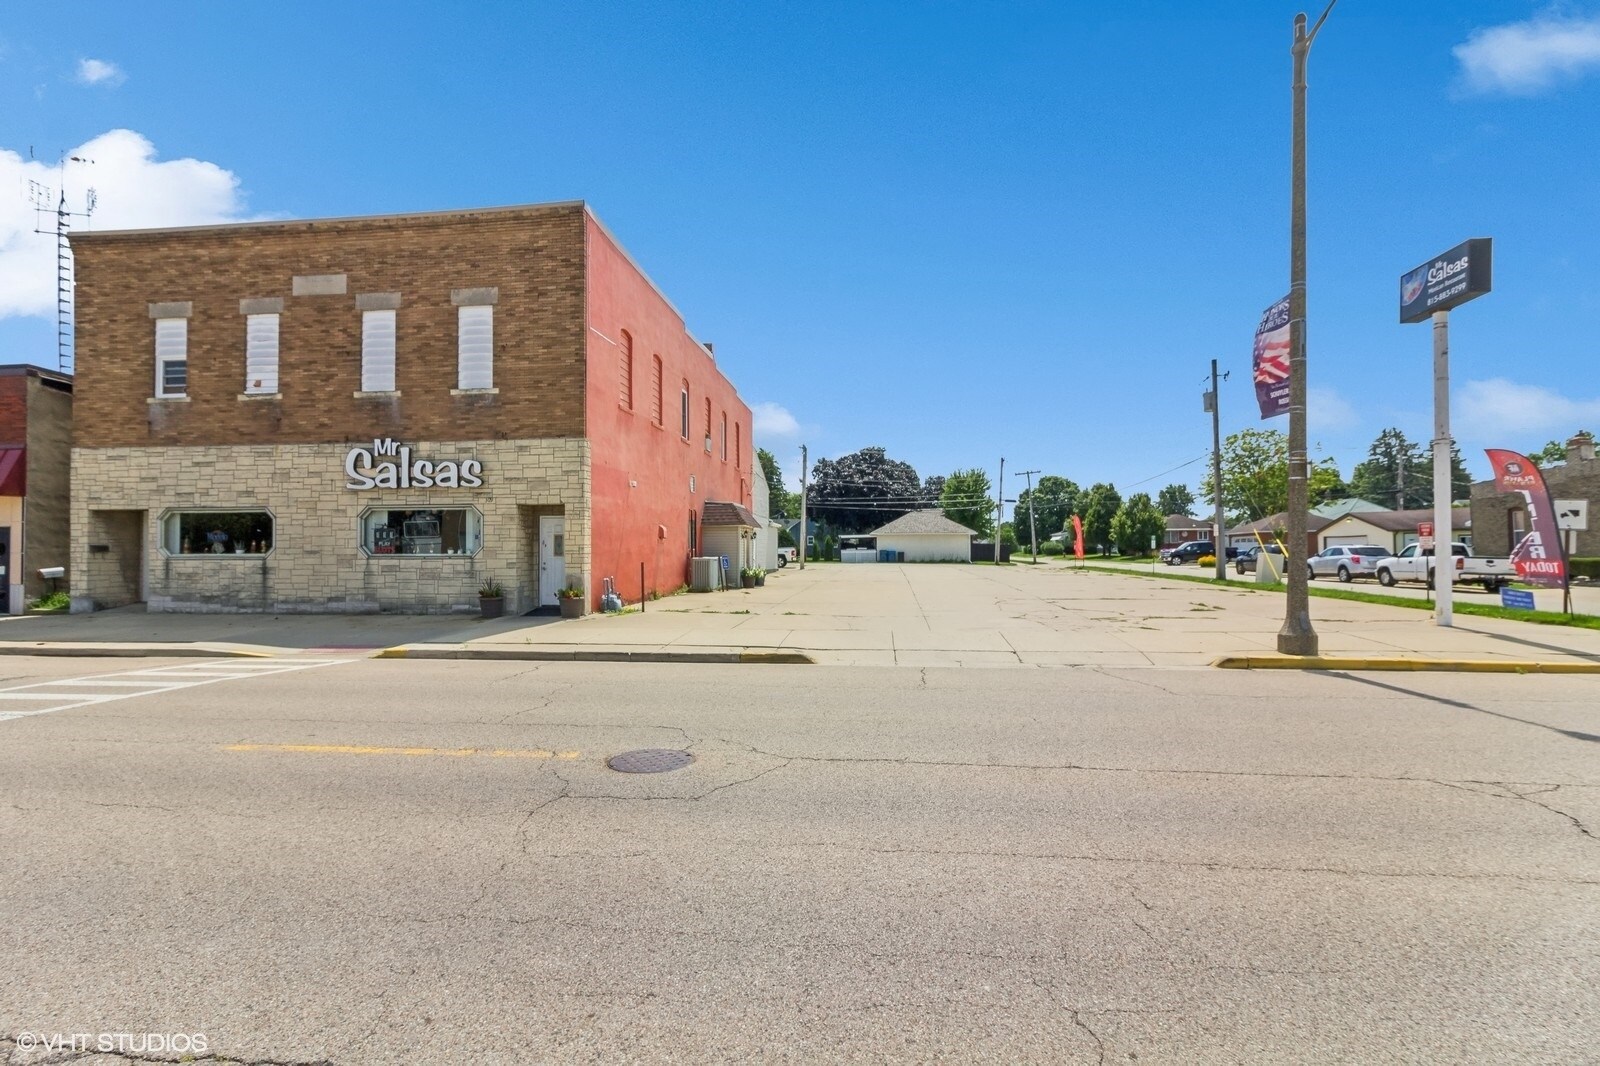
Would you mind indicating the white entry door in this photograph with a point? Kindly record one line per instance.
(552, 558)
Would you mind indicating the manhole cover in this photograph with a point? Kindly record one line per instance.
(650, 761)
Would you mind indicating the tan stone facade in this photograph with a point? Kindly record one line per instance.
(317, 563)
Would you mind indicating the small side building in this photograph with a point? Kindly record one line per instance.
(35, 467)
(926, 537)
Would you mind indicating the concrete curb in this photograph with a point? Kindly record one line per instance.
(132, 651)
(591, 655)
(1336, 662)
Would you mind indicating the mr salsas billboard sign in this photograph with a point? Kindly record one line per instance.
(389, 465)
(1449, 280)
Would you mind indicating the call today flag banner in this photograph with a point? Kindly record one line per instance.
(1537, 556)
(1271, 364)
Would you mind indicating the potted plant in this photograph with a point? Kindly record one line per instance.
(491, 599)
(747, 577)
(571, 601)
(761, 577)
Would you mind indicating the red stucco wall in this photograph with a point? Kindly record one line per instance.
(640, 472)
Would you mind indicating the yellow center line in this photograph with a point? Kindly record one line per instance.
(365, 749)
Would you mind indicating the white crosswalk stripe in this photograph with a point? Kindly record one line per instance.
(66, 692)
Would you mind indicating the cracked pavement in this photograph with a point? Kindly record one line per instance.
(1089, 865)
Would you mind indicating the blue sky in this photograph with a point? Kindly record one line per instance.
(959, 231)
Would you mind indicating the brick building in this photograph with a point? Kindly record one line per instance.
(384, 413)
(1499, 520)
(35, 453)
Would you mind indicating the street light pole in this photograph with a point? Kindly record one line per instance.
(1297, 637)
(1217, 540)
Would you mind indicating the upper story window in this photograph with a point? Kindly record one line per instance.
(738, 447)
(684, 409)
(475, 347)
(377, 351)
(625, 370)
(724, 436)
(261, 354)
(655, 392)
(172, 357)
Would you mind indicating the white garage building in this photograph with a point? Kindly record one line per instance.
(926, 537)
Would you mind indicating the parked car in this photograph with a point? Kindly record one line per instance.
(1415, 563)
(1347, 561)
(787, 556)
(1246, 562)
(1192, 552)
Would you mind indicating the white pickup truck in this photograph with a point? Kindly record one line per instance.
(1415, 564)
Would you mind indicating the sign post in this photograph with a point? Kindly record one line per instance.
(1572, 517)
(1430, 291)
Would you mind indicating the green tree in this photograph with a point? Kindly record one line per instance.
(1008, 537)
(1255, 474)
(965, 498)
(781, 503)
(1396, 473)
(1055, 499)
(861, 491)
(1175, 499)
(1137, 524)
(1326, 484)
(1098, 507)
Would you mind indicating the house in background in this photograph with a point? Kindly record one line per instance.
(1348, 505)
(1181, 529)
(35, 460)
(1499, 520)
(1270, 528)
(1391, 529)
(926, 537)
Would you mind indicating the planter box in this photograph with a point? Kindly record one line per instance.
(492, 607)
(572, 608)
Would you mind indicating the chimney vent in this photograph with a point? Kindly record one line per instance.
(1580, 447)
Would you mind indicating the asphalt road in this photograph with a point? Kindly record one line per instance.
(390, 861)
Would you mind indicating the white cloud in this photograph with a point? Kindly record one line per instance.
(134, 190)
(1497, 409)
(99, 72)
(773, 420)
(1328, 412)
(1523, 58)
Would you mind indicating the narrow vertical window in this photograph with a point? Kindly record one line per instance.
(260, 354)
(377, 351)
(655, 393)
(625, 370)
(683, 409)
(738, 447)
(172, 356)
(694, 539)
(724, 436)
(708, 423)
(475, 363)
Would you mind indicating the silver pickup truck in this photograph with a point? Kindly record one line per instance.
(1416, 564)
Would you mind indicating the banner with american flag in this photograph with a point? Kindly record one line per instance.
(1272, 360)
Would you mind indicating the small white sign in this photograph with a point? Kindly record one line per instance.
(1572, 514)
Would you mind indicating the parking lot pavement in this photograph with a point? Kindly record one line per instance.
(890, 615)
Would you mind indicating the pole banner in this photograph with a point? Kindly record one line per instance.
(1272, 360)
(1537, 556)
(1077, 536)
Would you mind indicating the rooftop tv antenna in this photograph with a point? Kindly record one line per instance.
(41, 196)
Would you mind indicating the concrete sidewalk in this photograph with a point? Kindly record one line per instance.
(879, 615)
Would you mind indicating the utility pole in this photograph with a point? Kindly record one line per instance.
(1297, 637)
(999, 509)
(804, 467)
(1033, 532)
(1216, 474)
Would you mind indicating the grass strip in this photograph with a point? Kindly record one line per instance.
(1480, 610)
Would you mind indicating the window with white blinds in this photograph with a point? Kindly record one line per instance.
(172, 356)
(261, 354)
(475, 347)
(377, 351)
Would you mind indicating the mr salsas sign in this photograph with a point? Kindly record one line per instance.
(1463, 273)
(389, 465)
